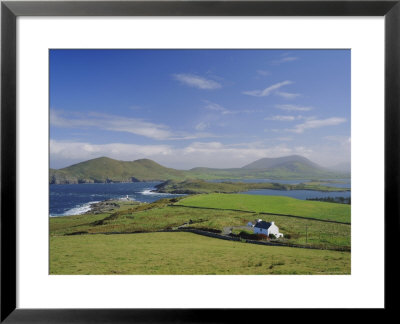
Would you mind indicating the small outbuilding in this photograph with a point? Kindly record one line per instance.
(267, 228)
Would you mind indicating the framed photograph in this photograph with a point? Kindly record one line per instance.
(183, 156)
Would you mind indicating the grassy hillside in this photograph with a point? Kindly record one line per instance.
(168, 214)
(285, 161)
(108, 170)
(200, 186)
(271, 204)
(185, 253)
(133, 245)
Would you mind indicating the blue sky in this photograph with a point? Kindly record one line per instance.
(189, 108)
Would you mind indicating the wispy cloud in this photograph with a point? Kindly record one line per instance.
(224, 111)
(317, 123)
(293, 108)
(216, 107)
(71, 152)
(263, 72)
(202, 126)
(287, 95)
(285, 139)
(196, 81)
(343, 140)
(286, 57)
(120, 124)
(267, 91)
(283, 118)
(111, 123)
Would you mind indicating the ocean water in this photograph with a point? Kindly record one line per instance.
(73, 199)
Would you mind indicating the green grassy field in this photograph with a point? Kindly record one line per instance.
(185, 253)
(271, 204)
(162, 215)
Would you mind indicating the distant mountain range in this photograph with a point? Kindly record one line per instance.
(103, 169)
(290, 162)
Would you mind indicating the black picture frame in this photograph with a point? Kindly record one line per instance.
(10, 10)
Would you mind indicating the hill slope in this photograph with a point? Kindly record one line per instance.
(271, 204)
(291, 161)
(108, 170)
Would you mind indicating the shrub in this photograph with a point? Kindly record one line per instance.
(249, 236)
(272, 236)
(287, 236)
(262, 237)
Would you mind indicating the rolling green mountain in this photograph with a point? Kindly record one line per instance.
(291, 162)
(108, 170)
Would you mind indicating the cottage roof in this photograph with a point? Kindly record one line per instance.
(263, 224)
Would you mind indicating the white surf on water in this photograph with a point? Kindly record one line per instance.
(78, 210)
(150, 192)
(143, 195)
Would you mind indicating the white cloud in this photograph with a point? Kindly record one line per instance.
(67, 152)
(202, 126)
(267, 91)
(317, 123)
(282, 118)
(111, 123)
(285, 139)
(342, 140)
(216, 107)
(284, 59)
(293, 108)
(287, 95)
(196, 81)
(120, 124)
(224, 111)
(263, 72)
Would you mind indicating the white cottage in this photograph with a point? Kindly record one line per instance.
(266, 228)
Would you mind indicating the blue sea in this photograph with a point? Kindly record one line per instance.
(73, 199)
(299, 194)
